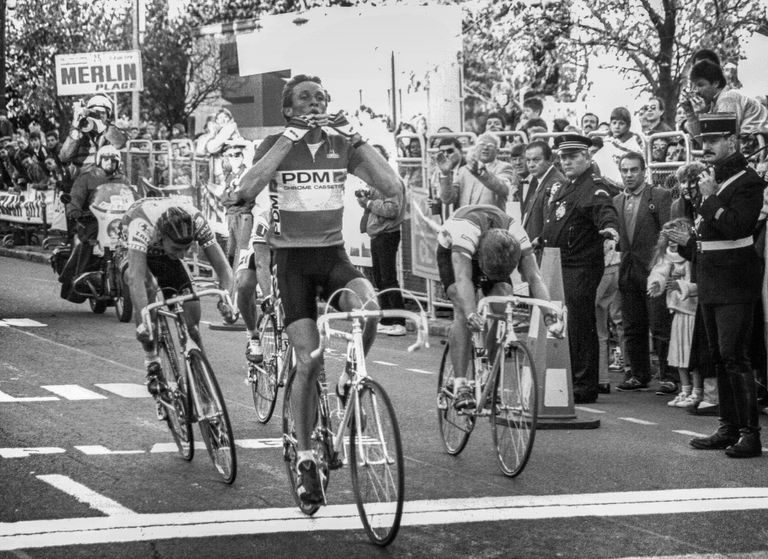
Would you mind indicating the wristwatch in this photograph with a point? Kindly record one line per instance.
(359, 143)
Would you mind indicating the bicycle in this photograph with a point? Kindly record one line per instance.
(266, 377)
(506, 391)
(373, 449)
(189, 391)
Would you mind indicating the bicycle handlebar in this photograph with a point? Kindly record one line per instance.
(194, 296)
(326, 332)
(558, 308)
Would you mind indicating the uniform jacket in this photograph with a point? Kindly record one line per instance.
(535, 203)
(574, 215)
(729, 276)
(652, 214)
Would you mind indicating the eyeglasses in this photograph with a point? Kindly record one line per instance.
(448, 151)
(233, 155)
(486, 145)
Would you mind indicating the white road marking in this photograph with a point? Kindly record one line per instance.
(74, 392)
(83, 352)
(25, 452)
(638, 421)
(97, 449)
(387, 363)
(145, 527)
(690, 433)
(22, 322)
(590, 410)
(421, 371)
(276, 442)
(7, 398)
(126, 389)
(86, 495)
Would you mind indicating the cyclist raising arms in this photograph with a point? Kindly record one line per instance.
(158, 232)
(305, 169)
(478, 248)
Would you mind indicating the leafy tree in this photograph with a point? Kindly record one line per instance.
(36, 31)
(528, 44)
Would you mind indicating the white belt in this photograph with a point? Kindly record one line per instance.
(705, 246)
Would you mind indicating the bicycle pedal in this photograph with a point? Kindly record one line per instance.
(334, 463)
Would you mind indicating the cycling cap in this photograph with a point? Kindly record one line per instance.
(499, 254)
(177, 225)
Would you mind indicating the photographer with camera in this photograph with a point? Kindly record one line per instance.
(90, 130)
(382, 219)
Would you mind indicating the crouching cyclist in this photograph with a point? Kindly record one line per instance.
(478, 248)
(158, 232)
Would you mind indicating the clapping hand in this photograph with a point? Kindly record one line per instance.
(654, 289)
(673, 285)
(443, 163)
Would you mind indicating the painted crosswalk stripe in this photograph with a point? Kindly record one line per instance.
(74, 392)
(7, 398)
(26, 452)
(386, 363)
(276, 442)
(22, 322)
(638, 421)
(86, 495)
(147, 527)
(421, 371)
(97, 449)
(126, 389)
(689, 433)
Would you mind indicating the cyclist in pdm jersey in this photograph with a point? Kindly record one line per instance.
(305, 169)
(158, 232)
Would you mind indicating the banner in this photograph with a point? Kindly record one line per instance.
(98, 72)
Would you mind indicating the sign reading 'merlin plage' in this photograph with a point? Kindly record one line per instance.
(98, 72)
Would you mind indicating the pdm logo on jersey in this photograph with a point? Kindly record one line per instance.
(311, 190)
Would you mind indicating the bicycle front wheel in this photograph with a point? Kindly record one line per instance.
(212, 418)
(515, 409)
(455, 428)
(176, 399)
(376, 464)
(264, 375)
(290, 448)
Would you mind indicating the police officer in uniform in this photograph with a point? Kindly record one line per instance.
(729, 280)
(578, 218)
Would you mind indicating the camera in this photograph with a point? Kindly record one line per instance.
(88, 124)
(362, 193)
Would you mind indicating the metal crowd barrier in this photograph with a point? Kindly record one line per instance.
(662, 172)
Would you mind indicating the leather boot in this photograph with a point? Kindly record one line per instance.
(726, 436)
(748, 446)
(745, 398)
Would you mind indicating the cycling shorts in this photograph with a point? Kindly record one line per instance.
(171, 274)
(247, 259)
(303, 274)
(447, 277)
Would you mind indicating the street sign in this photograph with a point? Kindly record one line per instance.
(98, 72)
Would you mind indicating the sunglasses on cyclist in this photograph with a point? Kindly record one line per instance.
(448, 151)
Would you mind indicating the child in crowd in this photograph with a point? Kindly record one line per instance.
(670, 272)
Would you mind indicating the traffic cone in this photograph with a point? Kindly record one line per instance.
(553, 359)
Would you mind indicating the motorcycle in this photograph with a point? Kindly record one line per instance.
(100, 252)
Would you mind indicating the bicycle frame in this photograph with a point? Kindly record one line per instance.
(173, 308)
(355, 348)
(504, 337)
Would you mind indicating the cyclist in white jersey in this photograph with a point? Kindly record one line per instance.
(478, 248)
(305, 168)
(158, 232)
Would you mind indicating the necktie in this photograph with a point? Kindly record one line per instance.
(532, 186)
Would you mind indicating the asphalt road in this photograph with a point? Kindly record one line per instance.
(87, 470)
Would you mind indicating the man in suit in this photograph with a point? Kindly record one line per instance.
(729, 279)
(579, 216)
(643, 210)
(543, 177)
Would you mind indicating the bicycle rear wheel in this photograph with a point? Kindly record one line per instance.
(516, 408)
(213, 419)
(178, 411)
(376, 464)
(264, 375)
(290, 449)
(455, 428)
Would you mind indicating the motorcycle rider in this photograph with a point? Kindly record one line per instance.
(82, 259)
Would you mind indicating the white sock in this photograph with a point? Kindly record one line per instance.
(151, 357)
(698, 393)
(686, 389)
(302, 455)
